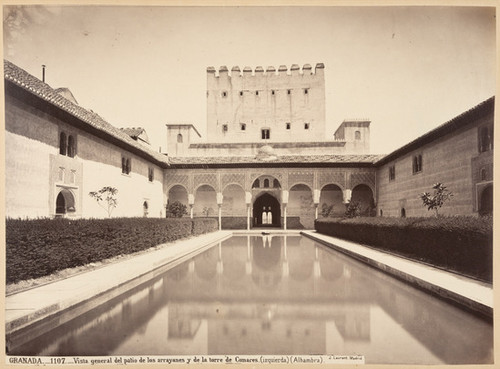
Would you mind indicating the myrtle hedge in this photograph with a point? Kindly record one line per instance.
(459, 244)
(36, 248)
(234, 222)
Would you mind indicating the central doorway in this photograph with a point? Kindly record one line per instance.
(266, 206)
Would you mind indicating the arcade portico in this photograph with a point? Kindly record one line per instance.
(218, 187)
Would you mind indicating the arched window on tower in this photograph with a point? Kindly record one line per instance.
(62, 143)
(179, 138)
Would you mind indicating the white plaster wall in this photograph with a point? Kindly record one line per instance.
(26, 176)
(104, 169)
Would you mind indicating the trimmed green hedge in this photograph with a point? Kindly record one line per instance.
(460, 244)
(234, 222)
(204, 225)
(36, 248)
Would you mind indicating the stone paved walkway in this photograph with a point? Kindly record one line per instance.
(473, 294)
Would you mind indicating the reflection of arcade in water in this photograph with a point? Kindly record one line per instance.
(276, 295)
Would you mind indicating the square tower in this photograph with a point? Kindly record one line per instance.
(266, 106)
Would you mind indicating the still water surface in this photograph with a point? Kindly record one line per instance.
(275, 295)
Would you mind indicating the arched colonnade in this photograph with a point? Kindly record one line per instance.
(268, 197)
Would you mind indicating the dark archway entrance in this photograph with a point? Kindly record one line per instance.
(65, 203)
(266, 203)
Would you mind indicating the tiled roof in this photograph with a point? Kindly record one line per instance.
(283, 159)
(38, 88)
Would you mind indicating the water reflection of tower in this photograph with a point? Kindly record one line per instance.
(266, 261)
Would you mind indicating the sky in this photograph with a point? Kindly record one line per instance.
(407, 69)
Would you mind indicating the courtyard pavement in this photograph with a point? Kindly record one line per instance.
(474, 295)
(89, 289)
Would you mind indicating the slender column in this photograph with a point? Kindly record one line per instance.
(219, 204)
(248, 201)
(284, 201)
(316, 196)
(191, 204)
(284, 216)
(220, 217)
(347, 196)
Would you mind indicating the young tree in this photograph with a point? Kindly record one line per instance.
(434, 202)
(106, 198)
(326, 210)
(176, 210)
(207, 211)
(353, 209)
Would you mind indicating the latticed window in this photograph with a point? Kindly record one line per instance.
(126, 165)
(67, 145)
(485, 138)
(62, 143)
(417, 163)
(392, 173)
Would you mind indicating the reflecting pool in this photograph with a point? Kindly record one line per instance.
(274, 295)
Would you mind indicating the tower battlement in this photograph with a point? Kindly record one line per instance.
(282, 70)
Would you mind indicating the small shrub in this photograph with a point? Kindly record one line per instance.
(353, 209)
(434, 202)
(326, 210)
(106, 198)
(176, 210)
(207, 211)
